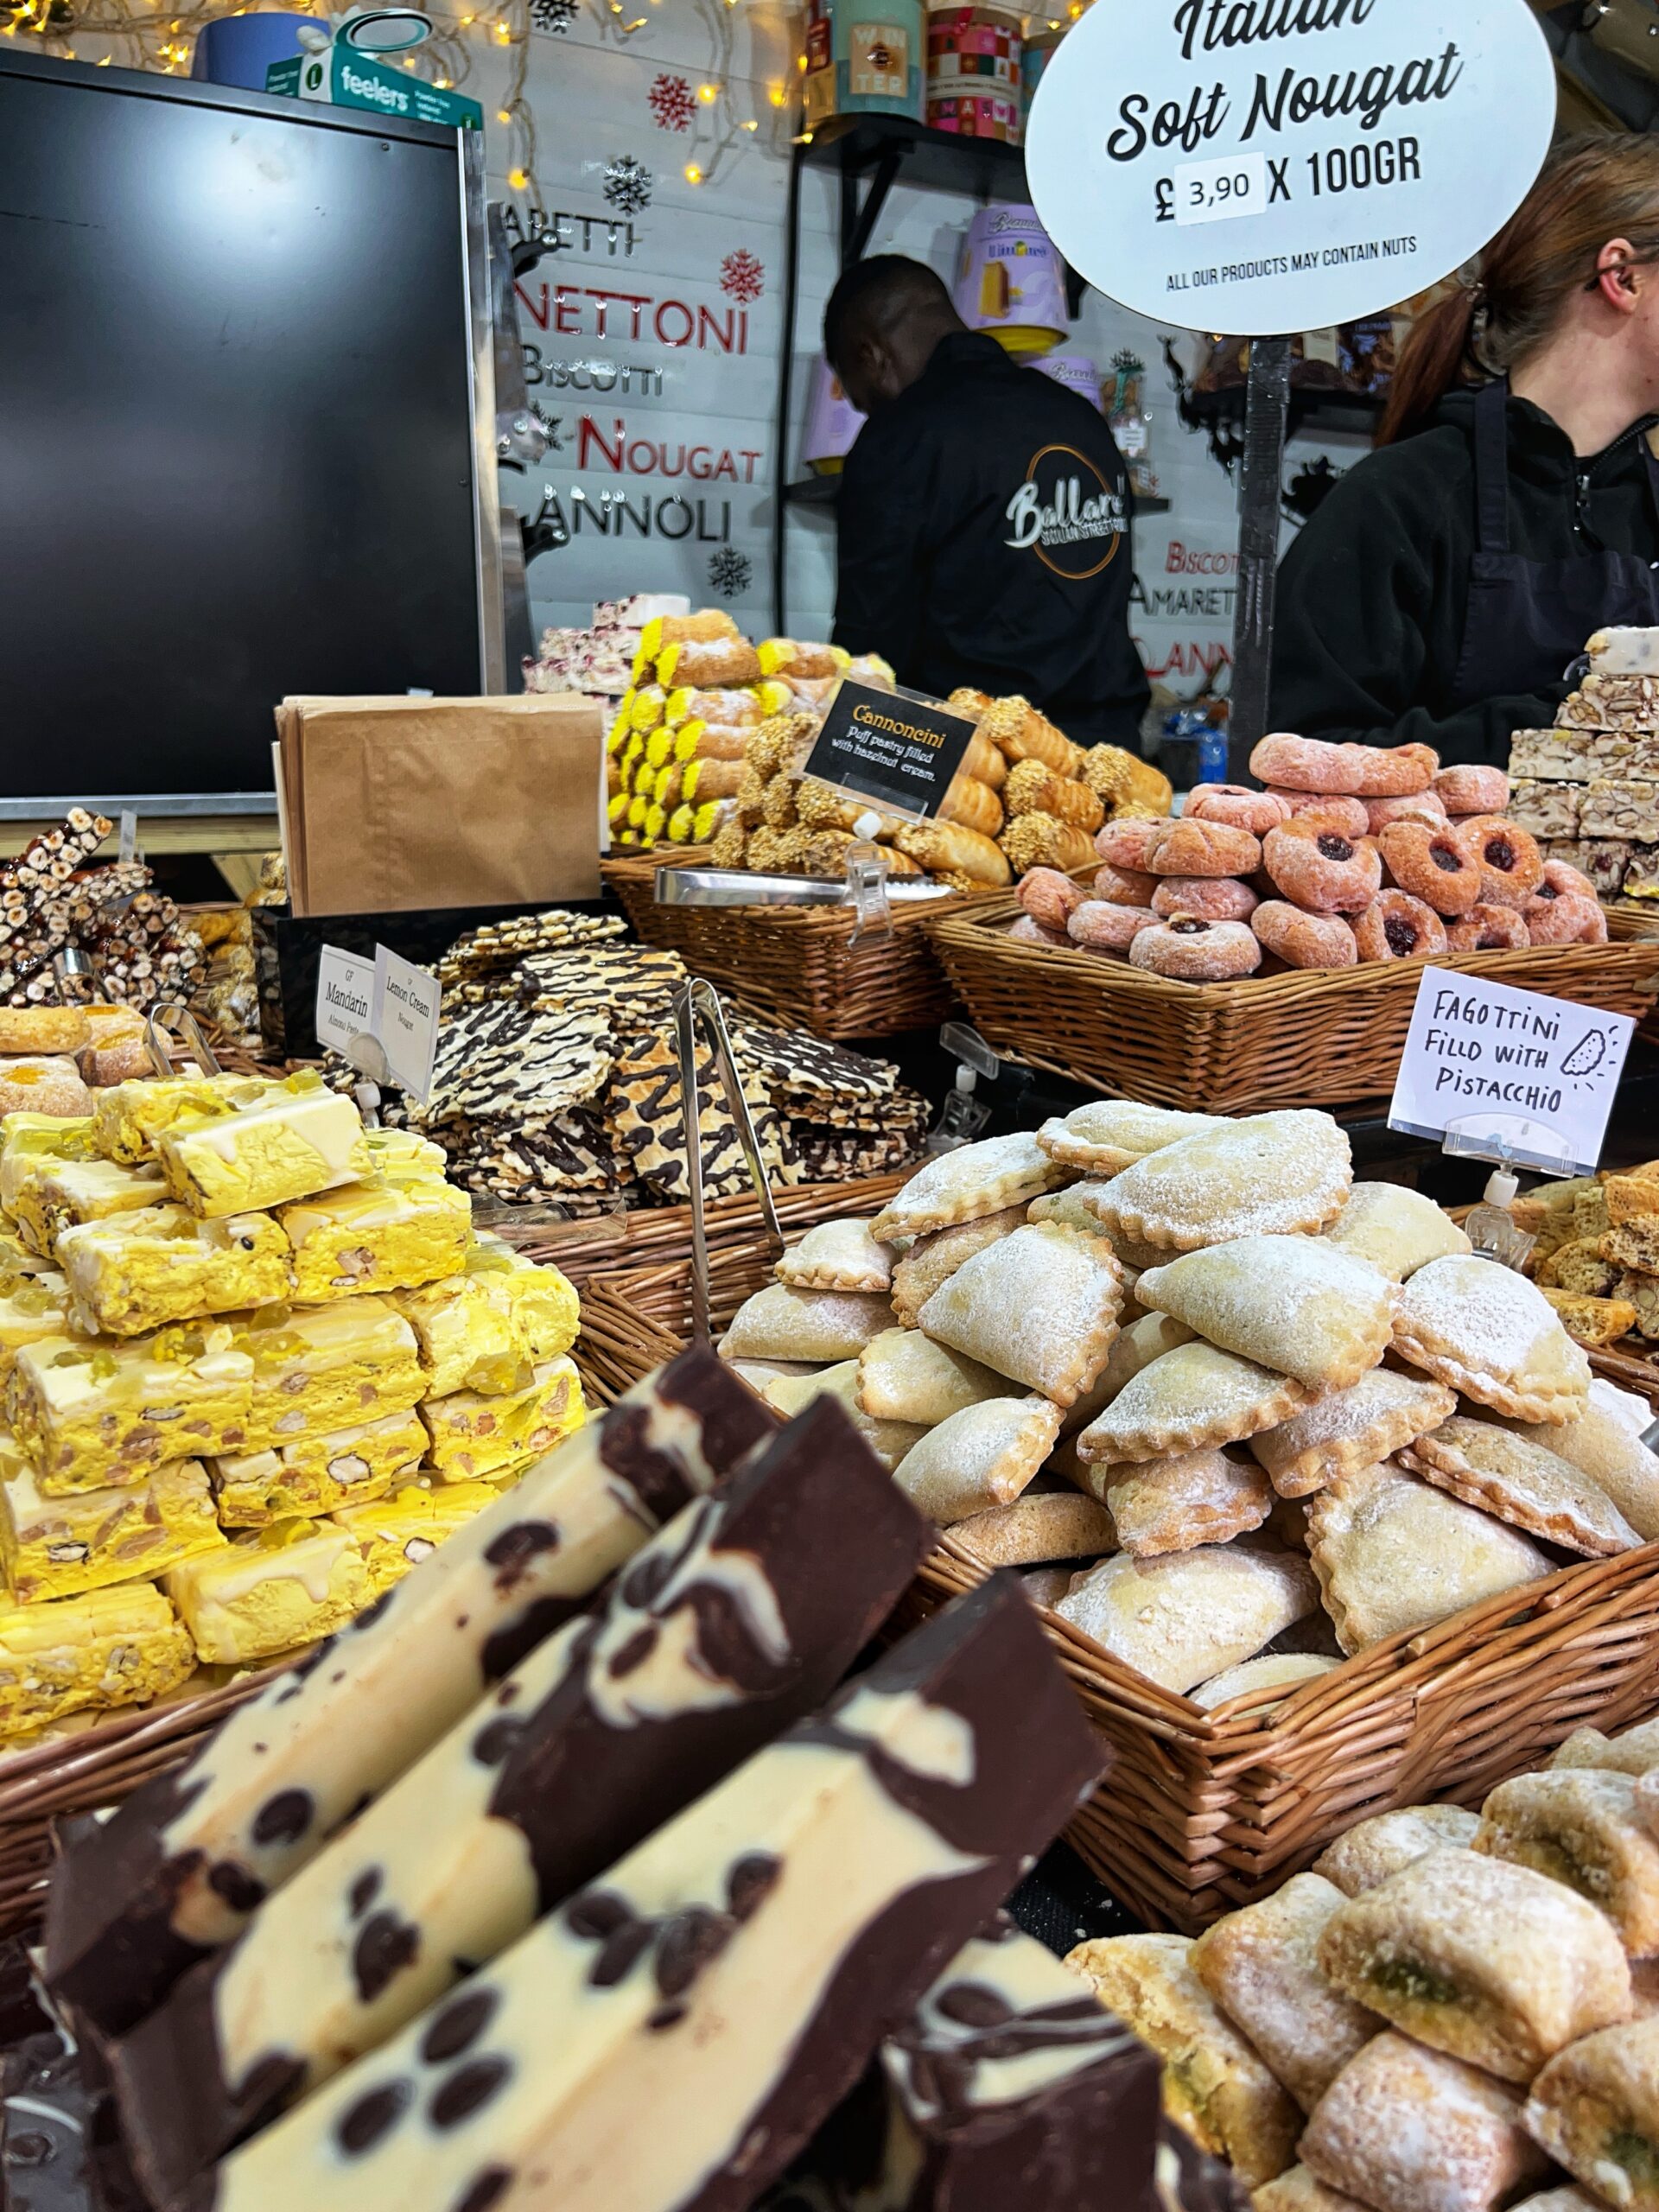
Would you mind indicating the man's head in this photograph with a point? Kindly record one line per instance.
(884, 319)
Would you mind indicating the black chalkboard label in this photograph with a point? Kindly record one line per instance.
(899, 751)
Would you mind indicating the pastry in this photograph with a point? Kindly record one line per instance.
(1351, 1429)
(471, 1432)
(1193, 951)
(1285, 1672)
(1181, 1619)
(905, 1376)
(1304, 940)
(1040, 1306)
(278, 1141)
(1120, 886)
(48, 1084)
(1470, 787)
(802, 1863)
(1433, 864)
(1109, 1134)
(1425, 806)
(1490, 1333)
(1264, 1174)
(1238, 805)
(1488, 927)
(1313, 763)
(932, 1258)
(1595, 2109)
(1591, 1321)
(1261, 1966)
(1136, 1345)
(1317, 867)
(1185, 1399)
(1125, 843)
(1484, 1960)
(1216, 2088)
(1404, 2129)
(888, 1440)
(1196, 846)
(1584, 1828)
(1051, 898)
(60, 1547)
(376, 1237)
(1397, 1231)
(837, 1255)
(1039, 1526)
(1213, 899)
(1068, 1208)
(779, 1323)
(984, 1456)
(1176, 1505)
(317, 1472)
(967, 1185)
(105, 1647)
(1393, 1553)
(1032, 788)
(31, 1031)
(140, 1271)
(1511, 866)
(1633, 1750)
(1349, 817)
(1300, 2189)
(1396, 926)
(1295, 1304)
(1373, 1850)
(319, 1368)
(1601, 1446)
(420, 1661)
(471, 1846)
(1522, 1483)
(90, 1417)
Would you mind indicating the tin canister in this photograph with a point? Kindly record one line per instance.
(832, 422)
(1011, 281)
(864, 57)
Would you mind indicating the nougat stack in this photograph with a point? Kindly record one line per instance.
(235, 1320)
(1590, 786)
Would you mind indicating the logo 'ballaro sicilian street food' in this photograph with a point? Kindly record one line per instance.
(1063, 511)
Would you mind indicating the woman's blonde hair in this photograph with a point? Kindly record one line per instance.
(1591, 190)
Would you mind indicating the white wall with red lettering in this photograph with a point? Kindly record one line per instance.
(652, 336)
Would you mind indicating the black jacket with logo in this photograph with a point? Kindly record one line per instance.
(984, 540)
(1374, 594)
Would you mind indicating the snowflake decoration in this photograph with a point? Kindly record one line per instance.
(730, 572)
(555, 15)
(671, 104)
(741, 277)
(627, 185)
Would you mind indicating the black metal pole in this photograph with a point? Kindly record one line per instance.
(1266, 410)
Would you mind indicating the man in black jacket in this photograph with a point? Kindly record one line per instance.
(1373, 620)
(984, 513)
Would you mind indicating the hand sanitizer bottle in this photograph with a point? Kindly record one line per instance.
(1491, 1228)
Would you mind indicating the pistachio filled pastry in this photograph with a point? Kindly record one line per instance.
(1489, 1961)
(1595, 2109)
(1585, 1827)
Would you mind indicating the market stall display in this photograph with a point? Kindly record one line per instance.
(234, 1323)
(52, 900)
(1447, 2003)
(1588, 788)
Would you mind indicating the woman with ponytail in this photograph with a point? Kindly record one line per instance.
(1444, 587)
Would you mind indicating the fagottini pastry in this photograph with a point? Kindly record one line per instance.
(1373, 1850)
(1180, 1619)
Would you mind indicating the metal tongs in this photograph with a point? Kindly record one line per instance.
(699, 1001)
(172, 1022)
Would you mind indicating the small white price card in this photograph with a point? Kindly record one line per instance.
(1507, 1074)
(1209, 192)
(407, 1000)
(344, 997)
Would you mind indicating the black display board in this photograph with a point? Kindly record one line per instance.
(237, 453)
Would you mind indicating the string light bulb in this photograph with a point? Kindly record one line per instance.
(517, 179)
(777, 95)
(707, 94)
(502, 116)
(693, 173)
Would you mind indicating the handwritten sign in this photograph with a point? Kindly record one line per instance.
(407, 1000)
(1508, 1074)
(896, 749)
(1261, 166)
(344, 997)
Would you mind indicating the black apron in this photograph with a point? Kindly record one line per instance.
(1528, 620)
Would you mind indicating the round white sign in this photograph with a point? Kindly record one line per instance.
(1263, 166)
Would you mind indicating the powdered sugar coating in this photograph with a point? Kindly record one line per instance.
(1352, 1428)
(1488, 1961)
(1191, 1396)
(1406, 2130)
(1375, 1849)
(1181, 1619)
(1598, 2101)
(1286, 1670)
(779, 1323)
(1108, 1134)
(934, 1258)
(837, 1255)
(1296, 1304)
(1395, 1230)
(1040, 1306)
(962, 1186)
(1178, 1504)
(984, 1456)
(1523, 1483)
(1583, 1827)
(1263, 1175)
(1492, 1334)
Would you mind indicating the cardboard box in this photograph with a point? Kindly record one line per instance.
(344, 77)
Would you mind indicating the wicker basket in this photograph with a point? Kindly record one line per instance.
(104, 1763)
(798, 963)
(1313, 1037)
(1201, 1816)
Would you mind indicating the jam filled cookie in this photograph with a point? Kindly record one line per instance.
(1124, 886)
(1562, 879)
(1433, 865)
(1196, 951)
(1304, 940)
(1123, 845)
(1486, 928)
(1238, 806)
(1211, 898)
(1557, 915)
(1321, 869)
(1511, 867)
(1348, 814)
(1197, 848)
(1396, 926)
(1310, 764)
(1050, 898)
(1468, 788)
(1100, 927)
(1424, 806)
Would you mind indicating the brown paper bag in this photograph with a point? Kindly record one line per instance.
(403, 802)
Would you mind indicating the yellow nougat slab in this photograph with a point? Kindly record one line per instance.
(93, 1414)
(377, 1235)
(53, 1193)
(128, 1117)
(317, 1474)
(321, 1368)
(106, 1649)
(27, 1138)
(396, 1532)
(32, 1307)
(467, 1337)
(286, 1585)
(401, 1156)
(543, 1302)
(471, 1434)
(287, 1141)
(61, 1546)
(141, 1271)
